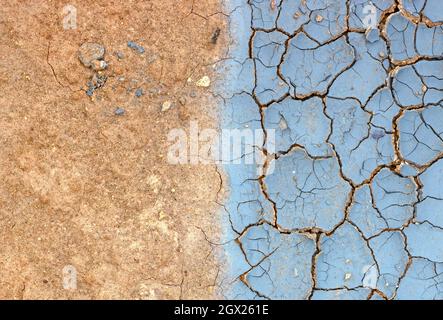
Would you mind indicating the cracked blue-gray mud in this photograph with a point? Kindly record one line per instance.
(349, 202)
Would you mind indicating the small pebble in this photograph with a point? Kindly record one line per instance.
(97, 81)
(136, 47)
(273, 4)
(162, 215)
(203, 82)
(319, 18)
(99, 65)
(182, 101)
(119, 111)
(119, 55)
(90, 92)
(166, 106)
(139, 92)
(88, 52)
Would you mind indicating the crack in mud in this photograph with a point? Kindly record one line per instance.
(380, 183)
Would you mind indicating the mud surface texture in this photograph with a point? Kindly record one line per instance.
(85, 186)
(349, 202)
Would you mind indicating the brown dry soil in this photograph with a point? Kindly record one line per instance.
(82, 186)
